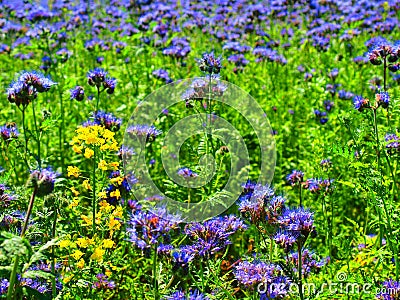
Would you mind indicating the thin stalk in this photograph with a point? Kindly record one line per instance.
(25, 135)
(300, 271)
(53, 260)
(16, 259)
(300, 195)
(37, 136)
(94, 202)
(155, 287)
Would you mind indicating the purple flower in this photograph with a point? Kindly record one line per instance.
(187, 173)
(193, 295)
(390, 290)
(149, 228)
(326, 163)
(251, 274)
(309, 263)
(9, 132)
(360, 103)
(295, 178)
(209, 63)
(108, 120)
(298, 220)
(162, 74)
(103, 282)
(77, 93)
(4, 286)
(393, 142)
(143, 131)
(27, 86)
(382, 99)
(213, 235)
(5, 196)
(43, 180)
(96, 77)
(286, 239)
(109, 85)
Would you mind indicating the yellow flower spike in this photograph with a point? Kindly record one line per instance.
(98, 254)
(87, 220)
(86, 185)
(116, 194)
(77, 149)
(89, 153)
(114, 165)
(74, 191)
(102, 195)
(102, 165)
(64, 243)
(81, 263)
(73, 171)
(74, 203)
(77, 254)
(108, 243)
(114, 224)
(117, 180)
(81, 242)
(118, 212)
(68, 278)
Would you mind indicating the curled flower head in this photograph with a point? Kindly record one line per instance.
(294, 178)
(187, 173)
(209, 63)
(9, 132)
(393, 143)
(298, 220)
(77, 93)
(383, 99)
(26, 88)
(109, 85)
(143, 131)
(96, 77)
(360, 103)
(286, 239)
(43, 181)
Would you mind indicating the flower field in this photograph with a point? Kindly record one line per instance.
(199, 150)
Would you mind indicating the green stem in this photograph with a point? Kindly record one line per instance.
(94, 202)
(155, 287)
(16, 259)
(300, 271)
(53, 260)
(37, 135)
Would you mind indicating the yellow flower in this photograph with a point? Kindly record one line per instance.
(77, 254)
(114, 224)
(114, 165)
(108, 273)
(77, 149)
(73, 171)
(107, 243)
(117, 180)
(102, 195)
(87, 185)
(64, 243)
(68, 278)
(118, 212)
(98, 254)
(116, 194)
(84, 242)
(89, 153)
(87, 220)
(102, 165)
(74, 191)
(81, 263)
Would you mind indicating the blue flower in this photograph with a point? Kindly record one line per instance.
(383, 99)
(209, 63)
(77, 93)
(360, 103)
(43, 180)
